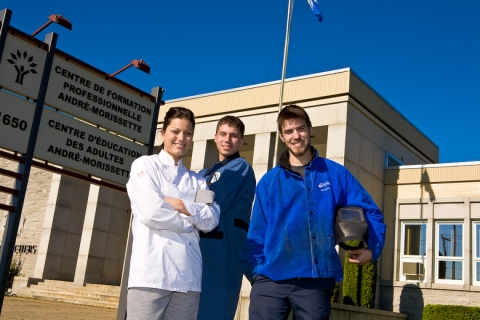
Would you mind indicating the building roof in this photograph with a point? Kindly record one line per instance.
(336, 86)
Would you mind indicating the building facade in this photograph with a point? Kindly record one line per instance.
(432, 255)
(77, 232)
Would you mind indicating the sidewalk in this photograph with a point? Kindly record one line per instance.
(15, 308)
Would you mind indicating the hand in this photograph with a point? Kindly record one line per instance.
(177, 205)
(360, 256)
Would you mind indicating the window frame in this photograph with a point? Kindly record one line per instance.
(439, 258)
(475, 259)
(412, 258)
(397, 161)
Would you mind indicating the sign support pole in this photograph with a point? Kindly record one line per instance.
(13, 220)
(5, 17)
(157, 92)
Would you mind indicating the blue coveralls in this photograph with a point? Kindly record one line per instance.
(223, 249)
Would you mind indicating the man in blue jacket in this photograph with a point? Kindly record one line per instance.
(223, 249)
(291, 236)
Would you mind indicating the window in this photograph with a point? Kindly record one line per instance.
(392, 161)
(413, 251)
(415, 242)
(449, 253)
(476, 253)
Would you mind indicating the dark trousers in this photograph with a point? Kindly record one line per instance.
(307, 298)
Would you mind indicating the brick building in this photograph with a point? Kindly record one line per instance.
(77, 232)
(432, 253)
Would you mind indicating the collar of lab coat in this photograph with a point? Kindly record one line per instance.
(167, 159)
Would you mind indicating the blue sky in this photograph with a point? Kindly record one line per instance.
(422, 56)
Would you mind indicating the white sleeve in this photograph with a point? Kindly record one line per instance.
(203, 216)
(147, 202)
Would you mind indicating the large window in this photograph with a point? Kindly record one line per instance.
(413, 251)
(476, 253)
(449, 252)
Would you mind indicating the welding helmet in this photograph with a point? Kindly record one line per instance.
(350, 224)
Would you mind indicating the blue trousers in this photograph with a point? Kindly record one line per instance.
(307, 298)
(221, 281)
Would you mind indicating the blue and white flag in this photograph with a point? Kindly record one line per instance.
(316, 10)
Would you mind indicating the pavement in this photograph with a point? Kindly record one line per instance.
(17, 308)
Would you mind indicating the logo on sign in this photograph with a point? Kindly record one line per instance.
(22, 64)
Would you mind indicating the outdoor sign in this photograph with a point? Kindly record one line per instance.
(58, 109)
(83, 147)
(105, 120)
(16, 116)
(21, 67)
(89, 96)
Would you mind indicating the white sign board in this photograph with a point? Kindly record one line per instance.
(21, 68)
(74, 144)
(89, 96)
(16, 116)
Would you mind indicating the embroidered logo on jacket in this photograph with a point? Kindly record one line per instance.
(215, 177)
(324, 186)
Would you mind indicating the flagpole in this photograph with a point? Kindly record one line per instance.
(284, 71)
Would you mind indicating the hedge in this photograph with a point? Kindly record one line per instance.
(359, 283)
(450, 312)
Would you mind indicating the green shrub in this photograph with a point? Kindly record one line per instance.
(449, 312)
(359, 283)
(15, 268)
(368, 285)
(336, 292)
(350, 283)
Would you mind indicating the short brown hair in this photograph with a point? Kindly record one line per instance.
(292, 112)
(232, 121)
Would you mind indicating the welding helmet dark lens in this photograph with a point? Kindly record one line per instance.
(350, 224)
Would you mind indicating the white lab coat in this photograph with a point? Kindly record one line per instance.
(166, 252)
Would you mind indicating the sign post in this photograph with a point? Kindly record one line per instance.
(5, 17)
(13, 219)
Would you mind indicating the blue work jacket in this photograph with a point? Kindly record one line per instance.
(291, 231)
(233, 182)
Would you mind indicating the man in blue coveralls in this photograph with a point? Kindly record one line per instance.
(223, 249)
(291, 236)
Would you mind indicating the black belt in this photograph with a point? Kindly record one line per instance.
(219, 234)
(240, 224)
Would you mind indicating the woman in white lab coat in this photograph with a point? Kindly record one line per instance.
(166, 263)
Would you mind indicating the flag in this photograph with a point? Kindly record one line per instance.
(316, 10)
